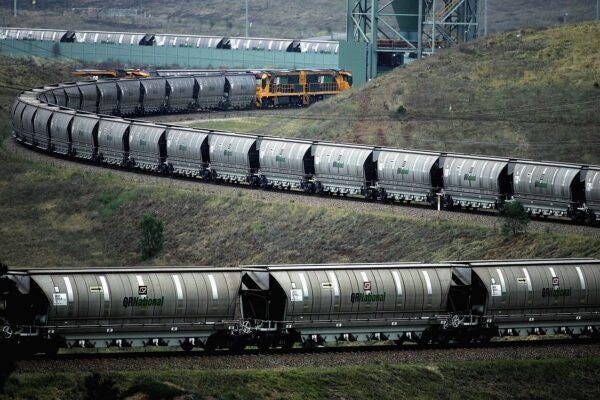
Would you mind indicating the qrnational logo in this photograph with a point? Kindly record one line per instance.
(143, 302)
(367, 297)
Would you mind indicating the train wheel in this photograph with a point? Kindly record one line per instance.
(237, 346)
(287, 343)
(264, 344)
(187, 346)
(263, 182)
(51, 349)
(318, 188)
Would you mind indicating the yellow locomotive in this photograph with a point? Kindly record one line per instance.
(299, 87)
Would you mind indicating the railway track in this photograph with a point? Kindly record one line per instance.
(415, 211)
(298, 357)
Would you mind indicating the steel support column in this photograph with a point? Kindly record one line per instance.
(396, 31)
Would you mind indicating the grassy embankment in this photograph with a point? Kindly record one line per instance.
(535, 94)
(461, 380)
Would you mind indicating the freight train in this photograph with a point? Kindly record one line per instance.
(279, 306)
(282, 88)
(70, 120)
(172, 40)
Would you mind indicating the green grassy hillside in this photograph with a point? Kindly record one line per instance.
(67, 217)
(19, 74)
(535, 93)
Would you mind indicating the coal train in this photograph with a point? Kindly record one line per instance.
(70, 120)
(280, 306)
(172, 40)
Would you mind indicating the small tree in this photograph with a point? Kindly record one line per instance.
(152, 236)
(515, 218)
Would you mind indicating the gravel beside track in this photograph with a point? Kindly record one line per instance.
(297, 358)
(483, 218)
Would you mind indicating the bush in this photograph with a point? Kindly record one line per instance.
(98, 386)
(152, 236)
(514, 218)
(7, 366)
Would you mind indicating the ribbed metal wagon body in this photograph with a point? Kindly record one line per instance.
(408, 175)
(344, 168)
(523, 295)
(286, 162)
(547, 188)
(147, 145)
(137, 306)
(233, 156)
(476, 181)
(187, 151)
(113, 140)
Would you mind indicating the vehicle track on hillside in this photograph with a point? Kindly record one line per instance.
(299, 358)
(418, 212)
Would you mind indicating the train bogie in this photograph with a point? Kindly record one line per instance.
(318, 46)
(34, 34)
(341, 302)
(265, 44)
